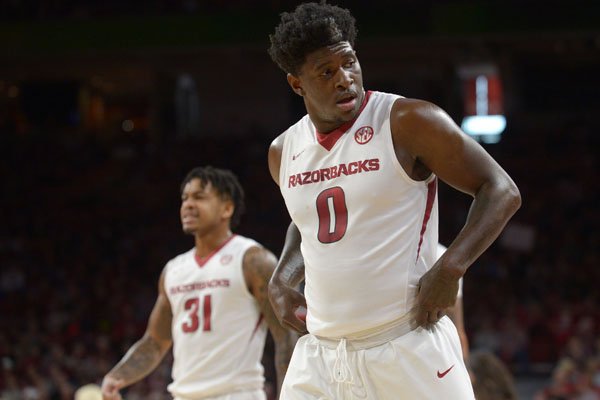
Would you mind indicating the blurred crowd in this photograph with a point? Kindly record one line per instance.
(88, 225)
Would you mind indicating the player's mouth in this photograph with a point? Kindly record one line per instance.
(346, 102)
(188, 218)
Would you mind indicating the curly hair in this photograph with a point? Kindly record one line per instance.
(225, 183)
(310, 27)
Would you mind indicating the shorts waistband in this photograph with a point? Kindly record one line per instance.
(358, 343)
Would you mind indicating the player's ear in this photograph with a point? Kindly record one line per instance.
(228, 209)
(295, 84)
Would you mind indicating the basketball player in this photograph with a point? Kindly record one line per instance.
(212, 304)
(359, 174)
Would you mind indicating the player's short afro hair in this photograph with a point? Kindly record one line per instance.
(310, 27)
(225, 183)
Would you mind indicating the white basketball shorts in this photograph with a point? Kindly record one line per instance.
(419, 364)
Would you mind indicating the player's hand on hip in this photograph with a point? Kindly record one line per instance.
(285, 302)
(110, 388)
(436, 293)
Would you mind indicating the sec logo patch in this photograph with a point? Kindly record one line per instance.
(226, 259)
(363, 135)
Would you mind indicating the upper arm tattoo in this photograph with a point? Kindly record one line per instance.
(159, 324)
(259, 265)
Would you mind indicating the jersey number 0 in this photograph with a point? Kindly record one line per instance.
(333, 215)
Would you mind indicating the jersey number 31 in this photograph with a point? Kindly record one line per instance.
(193, 307)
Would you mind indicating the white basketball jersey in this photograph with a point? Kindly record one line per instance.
(218, 330)
(369, 231)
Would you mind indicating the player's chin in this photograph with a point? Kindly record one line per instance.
(188, 229)
(346, 116)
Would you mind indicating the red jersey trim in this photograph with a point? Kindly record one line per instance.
(431, 192)
(258, 323)
(202, 261)
(328, 140)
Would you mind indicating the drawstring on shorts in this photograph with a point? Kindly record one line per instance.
(341, 369)
(347, 386)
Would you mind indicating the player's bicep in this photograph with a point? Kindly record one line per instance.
(275, 157)
(463, 164)
(259, 265)
(432, 137)
(159, 323)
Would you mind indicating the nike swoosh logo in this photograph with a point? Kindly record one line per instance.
(297, 155)
(443, 374)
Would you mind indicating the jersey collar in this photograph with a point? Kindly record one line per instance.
(328, 140)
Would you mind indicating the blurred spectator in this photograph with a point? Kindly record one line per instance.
(491, 378)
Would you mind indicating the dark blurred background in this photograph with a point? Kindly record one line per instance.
(104, 106)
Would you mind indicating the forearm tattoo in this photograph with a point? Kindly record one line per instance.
(139, 361)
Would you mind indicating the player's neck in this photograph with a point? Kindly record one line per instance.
(208, 243)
